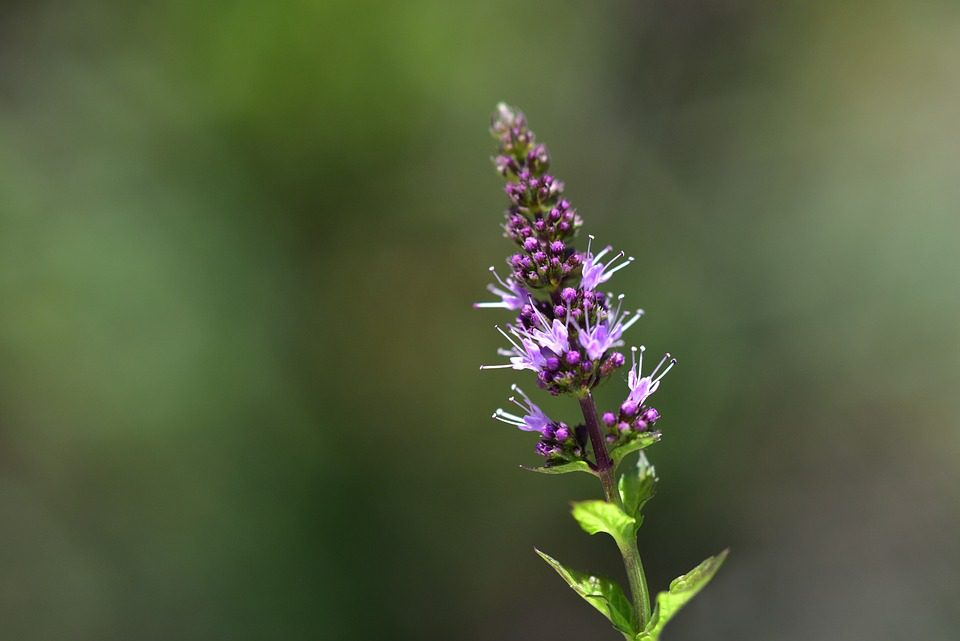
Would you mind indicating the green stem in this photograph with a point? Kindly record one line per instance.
(628, 549)
(638, 582)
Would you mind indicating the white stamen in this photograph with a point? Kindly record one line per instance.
(616, 314)
(660, 364)
(508, 418)
(633, 320)
(499, 279)
(507, 336)
(669, 367)
(633, 356)
(603, 253)
(608, 271)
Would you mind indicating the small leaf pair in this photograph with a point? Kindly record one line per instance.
(636, 487)
(609, 599)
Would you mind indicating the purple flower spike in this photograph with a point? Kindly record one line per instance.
(566, 332)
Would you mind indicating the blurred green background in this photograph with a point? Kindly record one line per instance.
(239, 395)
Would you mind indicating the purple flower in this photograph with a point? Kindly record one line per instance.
(595, 272)
(551, 335)
(524, 353)
(642, 387)
(608, 332)
(513, 296)
(596, 341)
(533, 420)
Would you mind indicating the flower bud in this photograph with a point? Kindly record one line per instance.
(650, 415)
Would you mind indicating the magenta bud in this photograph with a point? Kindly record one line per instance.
(651, 415)
(609, 418)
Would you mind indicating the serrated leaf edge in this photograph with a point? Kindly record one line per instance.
(564, 573)
(709, 567)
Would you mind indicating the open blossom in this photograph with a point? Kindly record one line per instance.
(642, 387)
(596, 272)
(552, 335)
(557, 442)
(533, 420)
(513, 296)
(608, 333)
(524, 353)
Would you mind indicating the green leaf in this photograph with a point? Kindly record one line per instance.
(682, 589)
(638, 486)
(603, 594)
(600, 516)
(642, 440)
(563, 468)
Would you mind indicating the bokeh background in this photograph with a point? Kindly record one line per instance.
(239, 386)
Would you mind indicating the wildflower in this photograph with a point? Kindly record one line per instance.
(595, 272)
(607, 333)
(524, 353)
(552, 335)
(642, 388)
(534, 420)
(513, 296)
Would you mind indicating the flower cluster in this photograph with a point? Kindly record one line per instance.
(558, 442)
(566, 330)
(633, 415)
